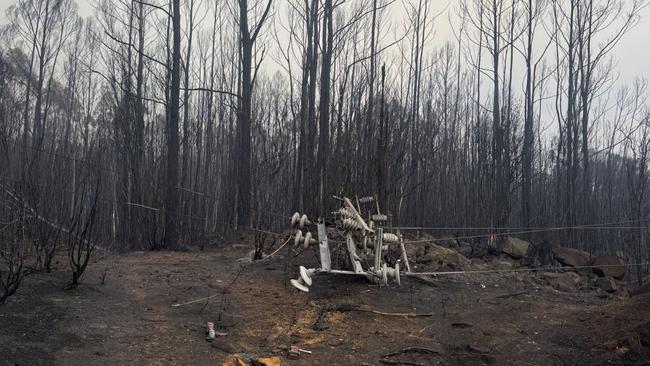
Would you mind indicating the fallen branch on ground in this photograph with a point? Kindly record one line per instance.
(348, 308)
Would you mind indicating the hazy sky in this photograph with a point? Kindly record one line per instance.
(633, 52)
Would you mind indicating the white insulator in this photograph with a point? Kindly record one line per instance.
(300, 284)
(397, 277)
(379, 217)
(351, 224)
(346, 212)
(306, 274)
(390, 238)
(393, 273)
(367, 199)
(304, 221)
(307, 240)
(295, 219)
(297, 238)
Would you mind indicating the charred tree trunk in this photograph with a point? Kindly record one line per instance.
(171, 196)
(247, 40)
(323, 143)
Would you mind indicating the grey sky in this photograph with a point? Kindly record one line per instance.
(632, 53)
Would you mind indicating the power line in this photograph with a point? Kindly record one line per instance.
(485, 271)
(600, 226)
(424, 228)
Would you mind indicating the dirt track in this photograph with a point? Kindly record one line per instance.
(476, 320)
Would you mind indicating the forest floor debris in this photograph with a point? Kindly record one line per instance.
(518, 318)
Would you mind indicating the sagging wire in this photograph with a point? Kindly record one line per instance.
(602, 226)
(485, 271)
(424, 228)
(240, 271)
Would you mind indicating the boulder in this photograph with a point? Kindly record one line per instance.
(439, 258)
(572, 257)
(606, 284)
(612, 266)
(514, 247)
(564, 281)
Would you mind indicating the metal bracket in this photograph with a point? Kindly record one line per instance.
(323, 246)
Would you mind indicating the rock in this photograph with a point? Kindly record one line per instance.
(572, 257)
(609, 266)
(440, 258)
(606, 284)
(565, 281)
(514, 247)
